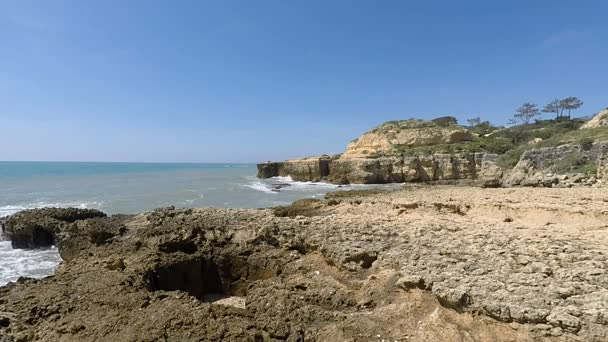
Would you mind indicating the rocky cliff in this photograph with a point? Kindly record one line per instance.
(376, 157)
(397, 169)
(303, 169)
(393, 136)
(563, 165)
(416, 151)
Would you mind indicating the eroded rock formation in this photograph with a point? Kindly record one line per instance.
(465, 166)
(303, 169)
(40, 227)
(565, 164)
(390, 137)
(420, 264)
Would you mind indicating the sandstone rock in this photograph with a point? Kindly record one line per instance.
(389, 169)
(599, 120)
(561, 162)
(391, 136)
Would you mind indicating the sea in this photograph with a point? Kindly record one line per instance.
(131, 188)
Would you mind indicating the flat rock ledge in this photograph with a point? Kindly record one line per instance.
(419, 264)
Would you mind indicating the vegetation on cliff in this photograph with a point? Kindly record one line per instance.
(508, 142)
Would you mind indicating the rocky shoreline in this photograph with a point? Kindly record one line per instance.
(425, 263)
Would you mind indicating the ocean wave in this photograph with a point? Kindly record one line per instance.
(260, 186)
(276, 184)
(12, 209)
(36, 263)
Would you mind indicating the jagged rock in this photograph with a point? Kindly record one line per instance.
(40, 227)
(429, 263)
(385, 264)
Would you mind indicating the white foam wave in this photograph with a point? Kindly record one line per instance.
(260, 186)
(17, 263)
(296, 185)
(35, 263)
(281, 184)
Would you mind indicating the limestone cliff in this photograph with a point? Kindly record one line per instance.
(422, 151)
(393, 136)
(397, 169)
(303, 169)
(560, 165)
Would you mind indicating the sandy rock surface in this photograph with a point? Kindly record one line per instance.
(599, 120)
(426, 263)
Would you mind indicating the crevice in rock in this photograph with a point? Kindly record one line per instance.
(197, 277)
(458, 306)
(185, 246)
(365, 259)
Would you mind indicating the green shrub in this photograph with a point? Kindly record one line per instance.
(483, 128)
(445, 121)
(575, 163)
(510, 158)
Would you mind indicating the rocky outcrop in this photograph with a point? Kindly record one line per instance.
(564, 165)
(471, 166)
(393, 136)
(599, 120)
(420, 264)
(366, 171)
(40, 227)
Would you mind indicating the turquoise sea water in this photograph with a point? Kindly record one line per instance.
(131, 188)
(135, 187)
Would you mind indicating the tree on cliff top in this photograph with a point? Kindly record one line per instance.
(525, 113)
(570, 103)
(554, 107)
(474, 121)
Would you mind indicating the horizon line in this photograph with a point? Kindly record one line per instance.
(118, 162)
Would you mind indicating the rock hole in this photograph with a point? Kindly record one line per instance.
(219, 279)
(185, 246)
(37, 238)
(365, 260)
(198, 277)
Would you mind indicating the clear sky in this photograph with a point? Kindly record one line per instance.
(230, 81)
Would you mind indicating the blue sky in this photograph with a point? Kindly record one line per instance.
(230, 81)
